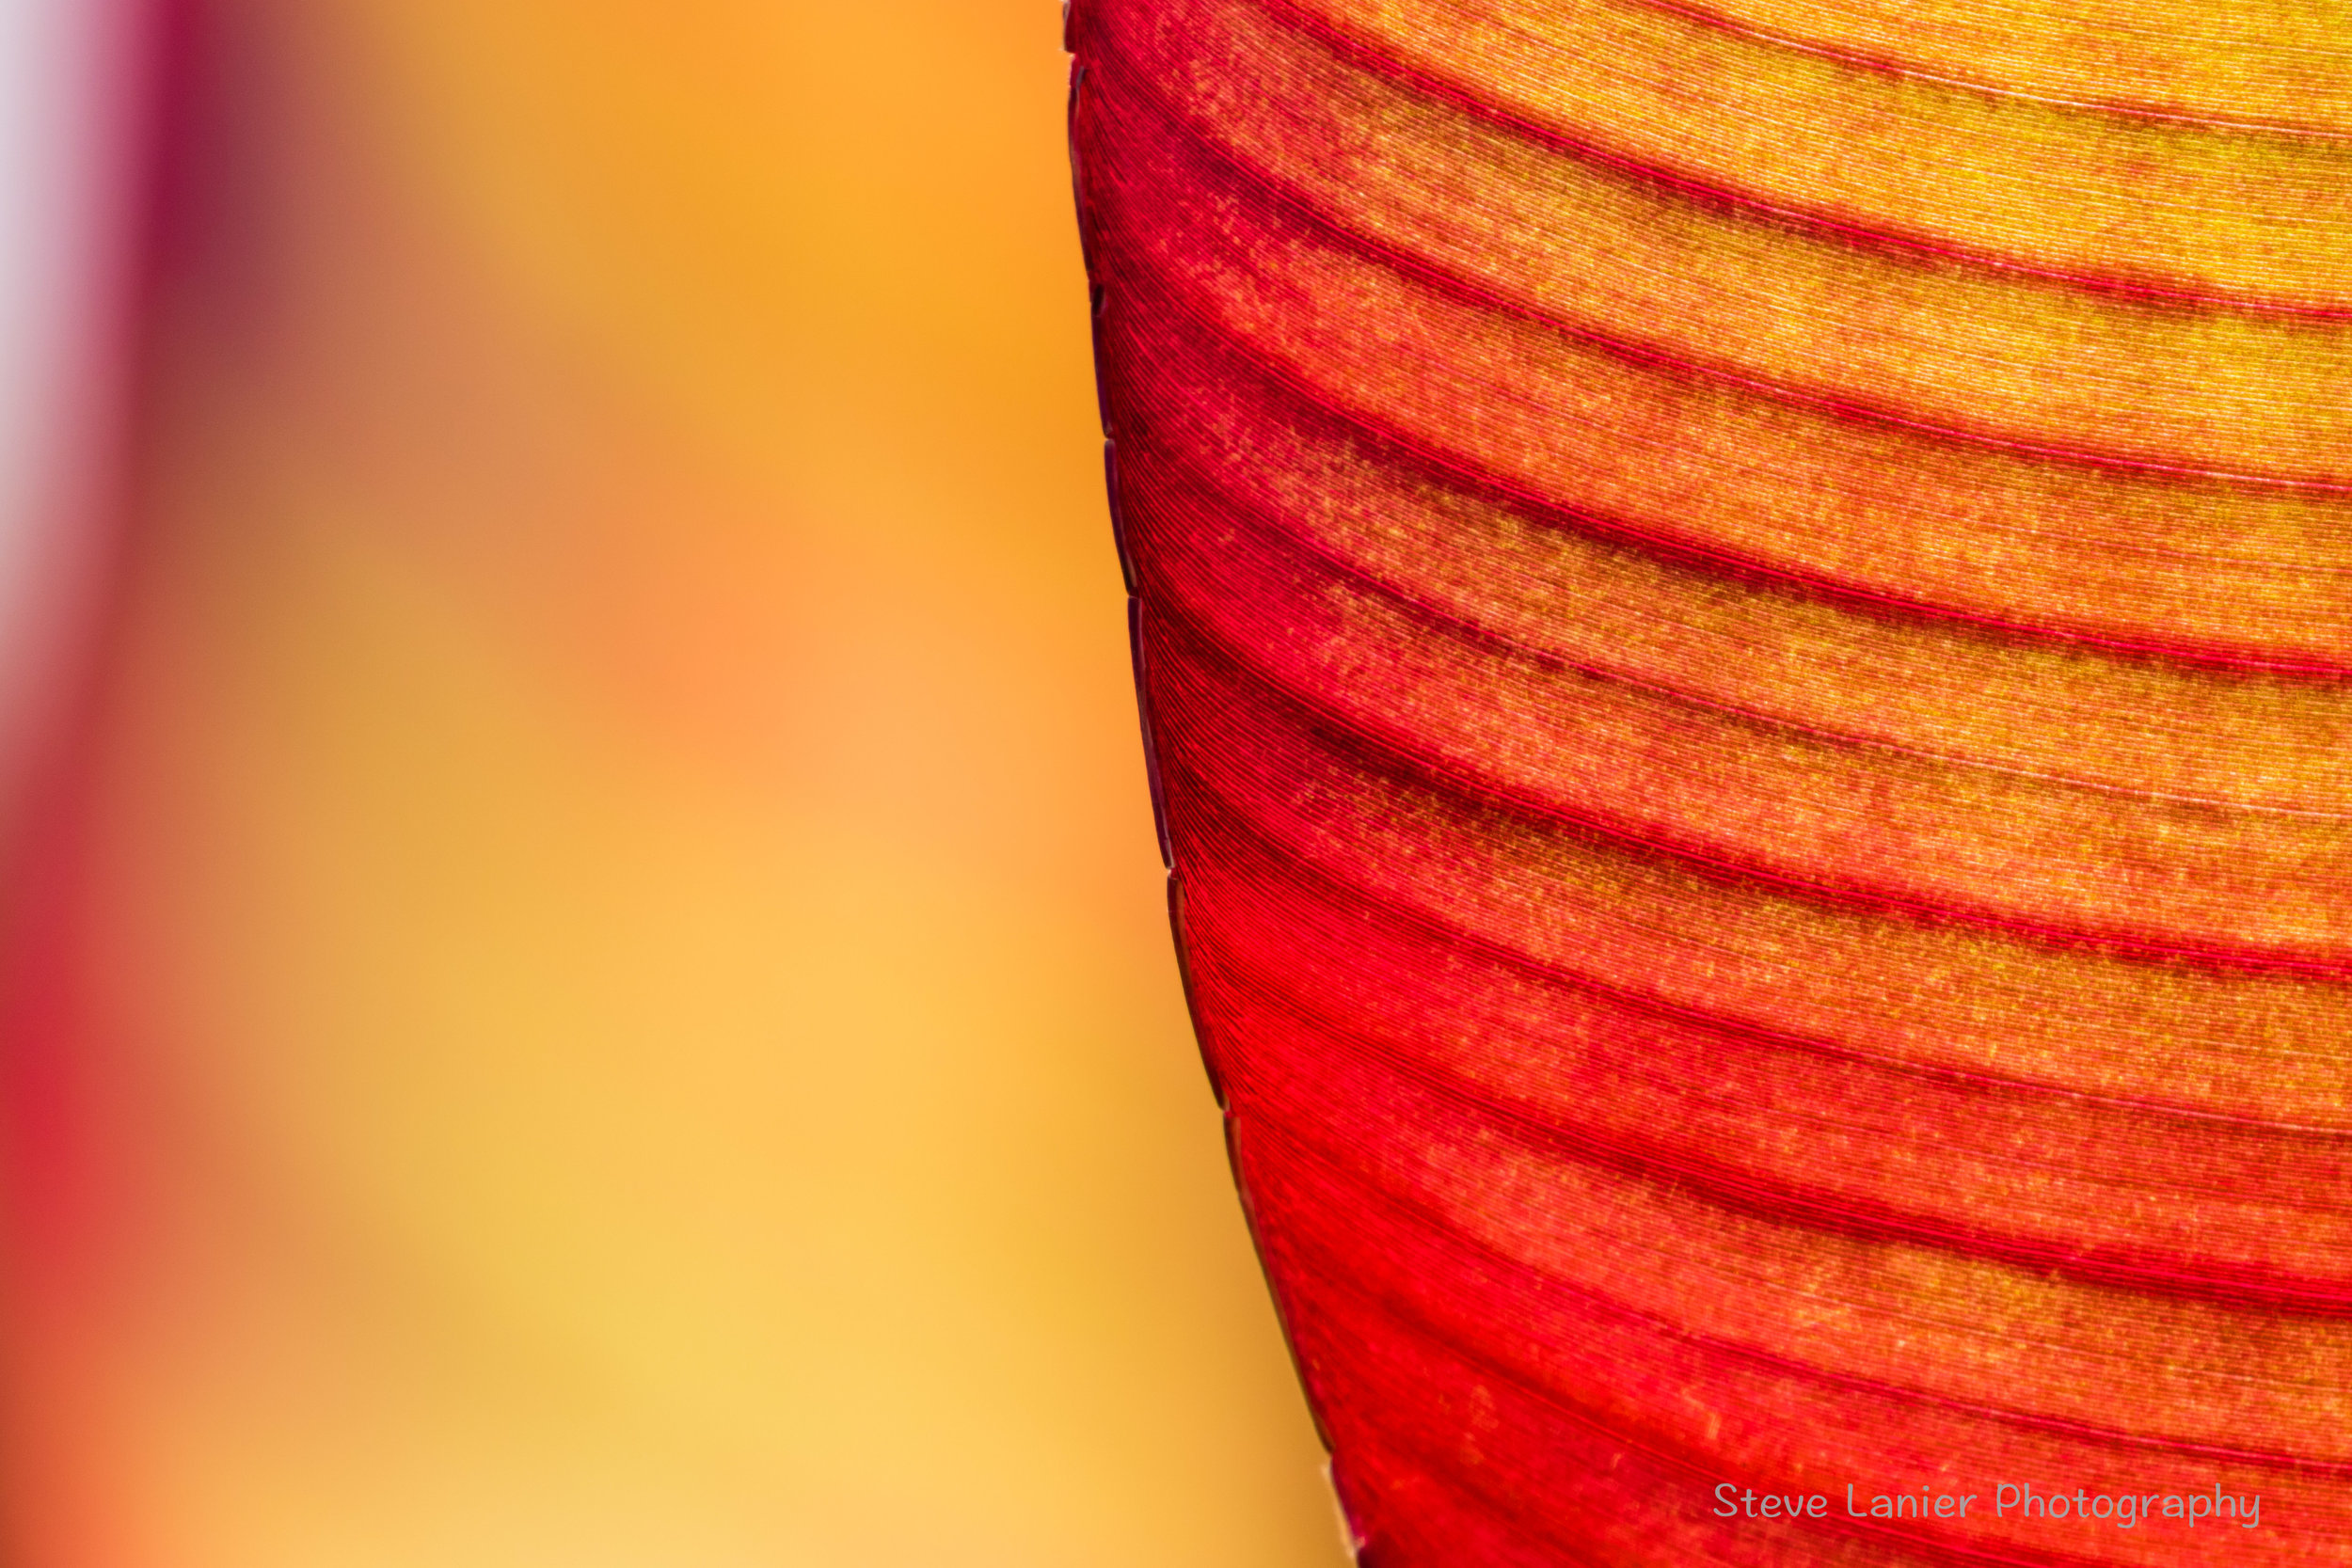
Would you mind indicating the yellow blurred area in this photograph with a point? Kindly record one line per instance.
(622, 984)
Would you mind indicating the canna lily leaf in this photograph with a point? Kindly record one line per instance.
(1744, 623)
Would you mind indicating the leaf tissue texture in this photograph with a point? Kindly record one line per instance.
(1744, 623)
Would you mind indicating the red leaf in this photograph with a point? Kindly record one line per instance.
(1746, 637)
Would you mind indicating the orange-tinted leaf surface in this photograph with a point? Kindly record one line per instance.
(1744, 621)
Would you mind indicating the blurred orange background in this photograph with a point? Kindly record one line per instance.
(589, 980)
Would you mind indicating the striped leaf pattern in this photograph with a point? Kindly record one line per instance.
(1745, 623)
